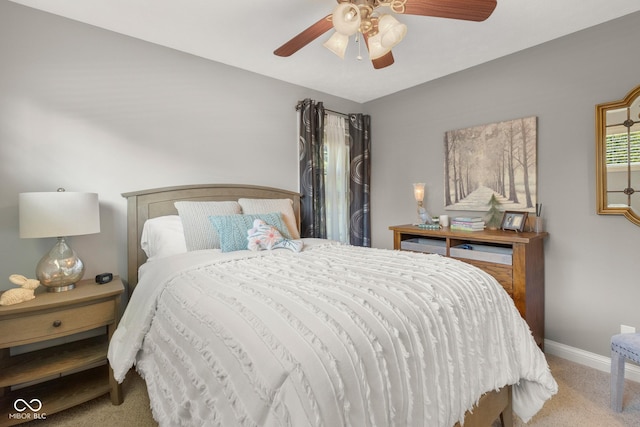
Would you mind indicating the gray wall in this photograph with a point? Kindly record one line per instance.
(592, 281)
(91, 110)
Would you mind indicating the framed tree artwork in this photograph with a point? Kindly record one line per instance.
(496, 159)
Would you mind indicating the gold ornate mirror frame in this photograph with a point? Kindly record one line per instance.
(618, 157)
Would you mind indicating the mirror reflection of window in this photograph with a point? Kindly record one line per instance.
(618, 157)
(623, 158)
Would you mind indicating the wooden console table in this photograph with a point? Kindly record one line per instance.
(522, 278)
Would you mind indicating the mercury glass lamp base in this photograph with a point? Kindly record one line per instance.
(60, 269)
(60, 288)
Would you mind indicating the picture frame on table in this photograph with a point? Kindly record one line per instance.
(514, 220)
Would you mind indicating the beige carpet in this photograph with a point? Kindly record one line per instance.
(582, 401)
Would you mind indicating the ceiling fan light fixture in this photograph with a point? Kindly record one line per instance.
(391, 30)
(376, 49)
(337, 44)
(380, 31)
(346, 19)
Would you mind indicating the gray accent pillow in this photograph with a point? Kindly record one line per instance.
(198, 231)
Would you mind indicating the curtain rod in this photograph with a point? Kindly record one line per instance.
(326, 110)
(337, 113)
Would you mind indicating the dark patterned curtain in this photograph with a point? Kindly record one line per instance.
(360, 179)
(310, 148)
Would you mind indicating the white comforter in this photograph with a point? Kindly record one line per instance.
(332, 336)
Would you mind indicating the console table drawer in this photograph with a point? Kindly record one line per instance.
(502, 273)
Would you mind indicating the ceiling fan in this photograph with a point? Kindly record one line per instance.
(380, 30)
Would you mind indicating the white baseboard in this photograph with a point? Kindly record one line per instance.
(592, 360)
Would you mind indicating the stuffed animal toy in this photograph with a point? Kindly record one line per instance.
(25, 293)
(264, 236)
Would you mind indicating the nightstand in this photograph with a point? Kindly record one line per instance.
(47, 380)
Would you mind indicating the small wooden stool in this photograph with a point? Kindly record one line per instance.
(623, 346)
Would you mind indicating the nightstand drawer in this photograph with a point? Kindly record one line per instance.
(56, 323)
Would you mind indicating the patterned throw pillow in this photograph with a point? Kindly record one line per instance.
(232, 229)
(264, 236)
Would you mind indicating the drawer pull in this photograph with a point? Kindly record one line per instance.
(57, 323)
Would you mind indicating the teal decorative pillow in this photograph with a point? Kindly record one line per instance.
(232, 229)
(265, 236)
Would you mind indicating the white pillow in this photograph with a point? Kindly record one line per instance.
(198, 231)
(163, 236)
(263, 206)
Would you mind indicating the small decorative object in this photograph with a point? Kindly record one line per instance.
(514, 220)
(264, 236)
(494, 215)
(26, 291)
(429, 226)
(423, 215)
(537, 224)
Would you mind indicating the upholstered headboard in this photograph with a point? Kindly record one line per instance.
(145, 204)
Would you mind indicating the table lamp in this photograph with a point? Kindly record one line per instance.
(59, 214)
(423, 215)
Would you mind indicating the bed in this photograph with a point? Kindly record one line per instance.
(332, 335)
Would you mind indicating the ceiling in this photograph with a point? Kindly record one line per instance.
(244, 34)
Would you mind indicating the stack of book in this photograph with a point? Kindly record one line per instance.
(467, 223)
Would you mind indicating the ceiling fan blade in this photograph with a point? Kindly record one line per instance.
(383, 61)
(468, 10)
(305, 37)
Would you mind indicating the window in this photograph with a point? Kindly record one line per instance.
(336, 177)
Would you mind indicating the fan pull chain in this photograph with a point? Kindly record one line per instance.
(359, 57)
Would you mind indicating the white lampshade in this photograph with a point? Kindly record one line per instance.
(346, 19)
(418, 191)
(376, 50)
(337, 44)
(58, 214)
(391, 30)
